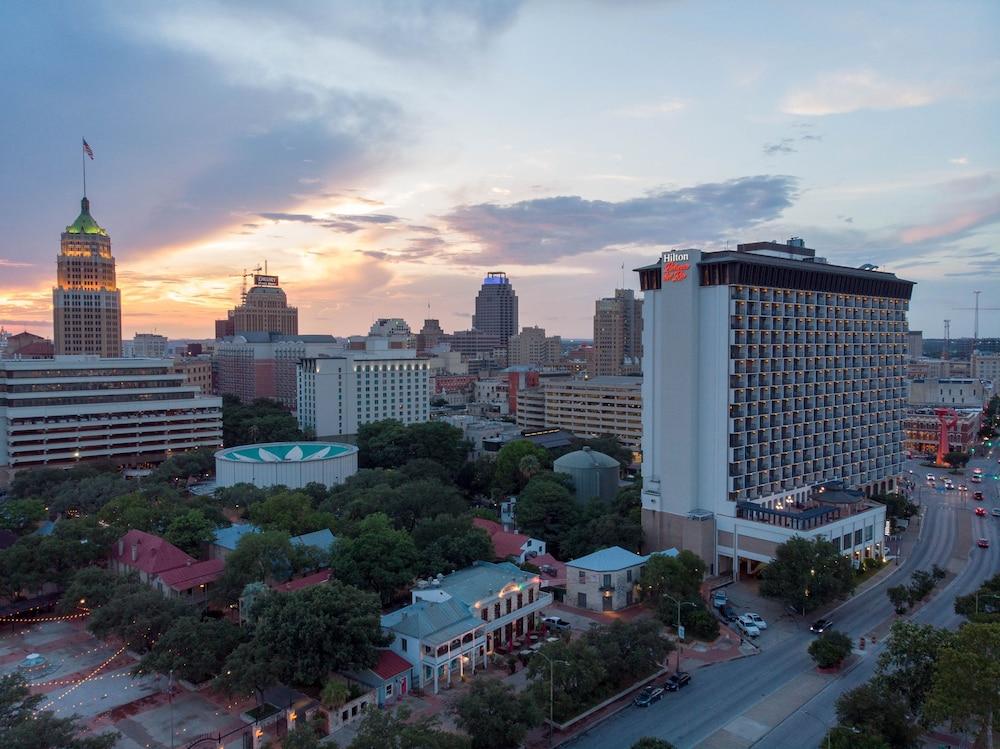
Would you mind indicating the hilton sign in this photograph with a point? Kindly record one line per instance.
(675, 266)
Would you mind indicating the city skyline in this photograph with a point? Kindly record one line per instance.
(385, 159)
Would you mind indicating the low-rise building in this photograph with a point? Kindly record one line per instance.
(390, 677)
(950, 392)
(921, 429)
(606, 580)
(509, 545)
(986, 367)
(476, 430)
(165, 568)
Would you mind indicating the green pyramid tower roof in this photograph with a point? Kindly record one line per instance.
(85, 223)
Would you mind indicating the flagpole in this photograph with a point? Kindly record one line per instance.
(83, 163)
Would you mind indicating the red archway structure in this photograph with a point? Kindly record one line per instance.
(947, 419)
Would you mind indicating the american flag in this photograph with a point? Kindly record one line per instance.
(87, 149)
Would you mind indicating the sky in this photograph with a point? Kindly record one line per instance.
(383, 156)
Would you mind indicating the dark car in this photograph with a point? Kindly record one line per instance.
(728, 613)
(978, 496)
(821, 626)
(676, 681)
(648, 696)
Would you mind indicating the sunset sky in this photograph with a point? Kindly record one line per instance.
(383, 156)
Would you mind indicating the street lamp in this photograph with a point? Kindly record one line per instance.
(552, 678)
(680, 628)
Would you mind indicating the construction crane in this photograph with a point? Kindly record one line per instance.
(975, 322)
(947, 420)
(244, 275)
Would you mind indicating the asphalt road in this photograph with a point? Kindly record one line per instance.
(722, 692)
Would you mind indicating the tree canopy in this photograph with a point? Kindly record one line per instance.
(194, 649)
(508, 476)
(906, 665)
(188, 531)
(391, 444)
(290, 511)
(377, 557)
(447, 542)
(387, 729)
(263, 420)
(24, 726)
(301, 637)
(547, 510)
(875, 711)
(495, 716)
(807, 574)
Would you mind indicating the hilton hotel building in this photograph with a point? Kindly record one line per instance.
(773, 401)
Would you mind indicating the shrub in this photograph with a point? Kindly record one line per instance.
(831, 649)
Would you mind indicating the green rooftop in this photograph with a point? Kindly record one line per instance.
(85, 223)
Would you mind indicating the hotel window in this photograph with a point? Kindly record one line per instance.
(496, 610)
(509, 605)
(520, 600)
(531, 595)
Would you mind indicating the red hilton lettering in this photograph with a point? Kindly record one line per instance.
(675, 271)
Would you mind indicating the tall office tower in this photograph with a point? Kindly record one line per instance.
(264, 310)
(86, 302)
(618, 335)
(496, 307)
(772, 402)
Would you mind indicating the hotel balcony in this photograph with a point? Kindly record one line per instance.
(829, 503)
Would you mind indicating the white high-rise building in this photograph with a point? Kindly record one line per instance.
(773, 399)
(338, 394)
(57, 412)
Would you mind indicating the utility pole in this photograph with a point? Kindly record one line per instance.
(680, 627)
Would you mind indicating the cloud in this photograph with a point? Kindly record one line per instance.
(655, 109)
(959, 160)
(958, 223)
(543, 230)
(782, 146)
(347, 224)
(5, 263)
(850, 91)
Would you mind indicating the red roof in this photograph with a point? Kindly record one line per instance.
(308, 581)
(505, 544)
(389, 665)
(559, 567)
(153, 554)
(192, 575)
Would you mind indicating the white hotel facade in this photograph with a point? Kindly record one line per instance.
(773, 401)
(338, 394)
(57, 412)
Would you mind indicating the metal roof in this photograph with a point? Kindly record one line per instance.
(287, 452)
(614, 558)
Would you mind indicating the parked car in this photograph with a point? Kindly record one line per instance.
(995, 512)
(983, 543)
(677, 681)
(978, 496)
(747, 627)
(981, 511)
(648, 696)
(728, 612)
(977, 479)
(719, 598)
(930, 476)
(820, 626)
(557, 624)
(757, 619)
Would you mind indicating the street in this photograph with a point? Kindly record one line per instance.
(721, 696)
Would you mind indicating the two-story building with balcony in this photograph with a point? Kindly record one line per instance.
(439, 638)
(606, 580)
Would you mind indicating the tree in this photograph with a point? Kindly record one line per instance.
(264, 420)
(628, 650)
(24, 726)
(899, 597)
(477, 476)
(91, 587)
(88, 495)
(378, 557)
(600, 527)
(877, 712)
(965, 689)
(450, 543)
(390, 444)
(194, 649)
(189, 531)
(334, 694)
(830, 649)
(807, 574)
(546, 510)
(137, 615)
(648, 742)
(303, 736)
(842, 737)
(257, 557)
(907, 663)
(897, 506)
(680, 576)
(385, 729)
(21, 515)
(508, 478)
(957, 459)
(578, 680)
(495, 716)
(331, 627)
(240, 496)
(291, 512)
(986, 598)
